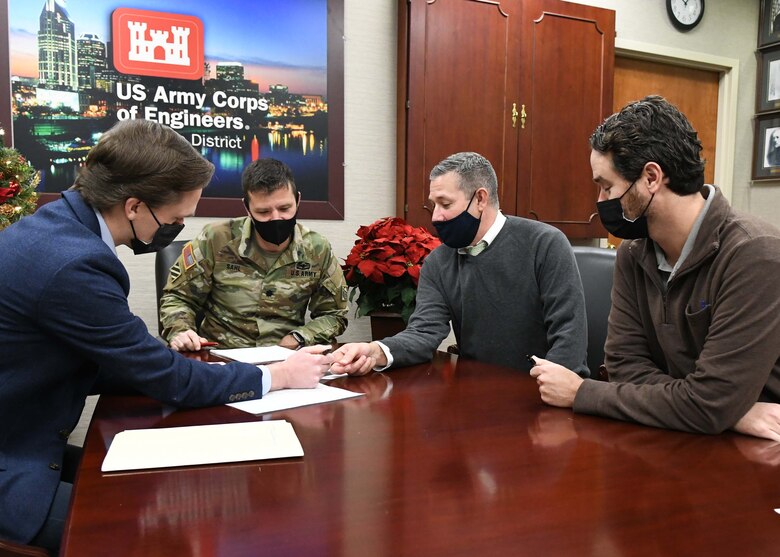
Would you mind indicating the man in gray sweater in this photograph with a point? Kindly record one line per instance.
(693, 342)
(508, 285)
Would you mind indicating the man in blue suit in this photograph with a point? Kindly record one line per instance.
(65, 321)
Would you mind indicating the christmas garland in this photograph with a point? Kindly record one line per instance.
(18, 181)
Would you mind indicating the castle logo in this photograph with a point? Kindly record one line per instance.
(158, 44)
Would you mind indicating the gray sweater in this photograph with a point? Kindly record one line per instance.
(521, 295)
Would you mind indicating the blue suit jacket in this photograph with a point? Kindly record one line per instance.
(64, 320)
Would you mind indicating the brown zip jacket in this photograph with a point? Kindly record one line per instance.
(697, 357)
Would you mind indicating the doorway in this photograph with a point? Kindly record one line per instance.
(693, 91)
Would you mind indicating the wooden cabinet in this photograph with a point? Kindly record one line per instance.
(524, 83)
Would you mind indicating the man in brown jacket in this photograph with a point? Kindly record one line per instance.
(693, 341)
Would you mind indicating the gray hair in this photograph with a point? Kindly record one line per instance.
(474, 171)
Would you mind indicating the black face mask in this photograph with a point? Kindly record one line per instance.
(274, 232)
(460, 231)
(166, 233)
(616, 223)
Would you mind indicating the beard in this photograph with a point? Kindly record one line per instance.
(634, 204)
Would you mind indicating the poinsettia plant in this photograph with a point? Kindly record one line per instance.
(384, 265)
(18, 181)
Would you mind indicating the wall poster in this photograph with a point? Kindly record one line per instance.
(240, 80)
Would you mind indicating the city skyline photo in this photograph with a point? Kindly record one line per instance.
(258, 35)
(263, 91)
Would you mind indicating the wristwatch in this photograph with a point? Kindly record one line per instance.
(299, 338)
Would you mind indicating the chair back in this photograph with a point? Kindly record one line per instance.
(596, 266)
(163, 261)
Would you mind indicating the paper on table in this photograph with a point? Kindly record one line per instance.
(256, 355)
(138, 449)
(292, 398)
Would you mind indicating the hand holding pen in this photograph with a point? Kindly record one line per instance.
(557, 385)
(190, 341)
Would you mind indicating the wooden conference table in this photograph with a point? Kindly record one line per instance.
(448, 458)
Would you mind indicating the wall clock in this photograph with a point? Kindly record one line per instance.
(685, 14)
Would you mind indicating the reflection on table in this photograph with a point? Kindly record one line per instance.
(447, 458)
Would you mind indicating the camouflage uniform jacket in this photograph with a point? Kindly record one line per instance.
(223, 275)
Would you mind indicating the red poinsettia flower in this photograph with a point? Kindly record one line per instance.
(414, 272)
(384, 265)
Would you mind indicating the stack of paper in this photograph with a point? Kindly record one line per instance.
(293, 398)
(256, 355)
(139, 449)
(287, 398)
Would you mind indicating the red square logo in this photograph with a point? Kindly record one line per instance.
(158, 44)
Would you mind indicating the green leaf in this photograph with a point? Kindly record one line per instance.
(406, 312)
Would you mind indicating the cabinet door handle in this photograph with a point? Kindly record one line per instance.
(522, 114)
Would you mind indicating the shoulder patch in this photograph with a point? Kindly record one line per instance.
(188, 257)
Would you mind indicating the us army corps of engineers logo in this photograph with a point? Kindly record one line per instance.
(158, 44)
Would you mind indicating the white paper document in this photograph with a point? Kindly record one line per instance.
(292, 398)
(138, 449)
(256, 355)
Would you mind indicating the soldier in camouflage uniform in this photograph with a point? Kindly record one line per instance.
(252, 278)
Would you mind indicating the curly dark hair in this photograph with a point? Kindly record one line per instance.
(652, 130)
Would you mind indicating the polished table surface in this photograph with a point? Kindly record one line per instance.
(448, 458)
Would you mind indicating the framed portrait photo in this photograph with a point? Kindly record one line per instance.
(768, 81)
(766, 155)
(769, 23)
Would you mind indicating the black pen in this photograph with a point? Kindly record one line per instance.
(530, 360)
